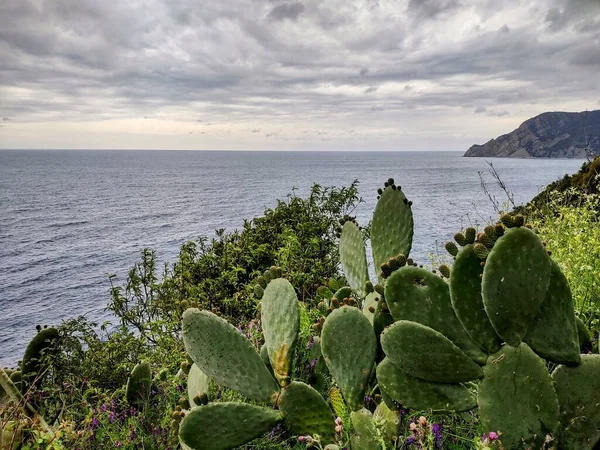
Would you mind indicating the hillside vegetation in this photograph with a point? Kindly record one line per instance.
(275, 293)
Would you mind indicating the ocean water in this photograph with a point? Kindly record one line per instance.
(68, 218)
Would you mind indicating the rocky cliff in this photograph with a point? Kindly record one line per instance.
(549, 135)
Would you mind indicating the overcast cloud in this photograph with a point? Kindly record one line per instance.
(276, 74)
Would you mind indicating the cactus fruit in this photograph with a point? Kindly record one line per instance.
(365, 435)
(451, 248)
(465, 293)
(444, 270)
(260, 281)
(305, 412)
(353, 257)
(470, 234)
(419, 394)
(480, 250)
(517, 399)
(553, 333)
(280, 317)
(418, 295)
(231, 425)
(258, 291)
(578, 391)
(349, 346)
(221, 352)
(392, 226)
(460, 239)
(424, 353)
(197, 384)
(138, 385)
(515, 281)
(267, 276)
(32, 359)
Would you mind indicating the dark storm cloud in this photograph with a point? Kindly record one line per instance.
(286, 11)
(252, 60)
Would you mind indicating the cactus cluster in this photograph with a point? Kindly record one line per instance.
(479, 336)
(221, 353)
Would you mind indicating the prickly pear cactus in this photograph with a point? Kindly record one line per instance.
(465, 292)
(365, 436)
(517, 398)
(420, 394)
(427, 354)
(370, 306)
(231, 425)
(281, 322)
(515, 281)
(553, 333)
(221, 352)
(418, 295)
(392, 226)
(139, 384)
(349, 347)
(32, 359)
(353, 257)
(578, 390)
(197, 384)
(305, 412)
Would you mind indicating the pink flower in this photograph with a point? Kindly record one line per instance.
(492, 436)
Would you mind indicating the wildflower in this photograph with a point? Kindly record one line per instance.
(413, 426)
(311, 342)
(95, 423)
(338, 421)
(422, 421)
(338, 429)
(313, 363)
(492, 436)
(103, 408)
(111, 417)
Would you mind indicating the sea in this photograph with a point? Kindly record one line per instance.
(70, 218)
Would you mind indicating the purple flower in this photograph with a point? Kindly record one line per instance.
(367, 399)
(103, 408)
(111, 417)
(95, 423)
(410, 440)
(310, 343)
(313, 363)
(436, 429)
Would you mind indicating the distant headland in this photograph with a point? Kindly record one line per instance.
(549, 135)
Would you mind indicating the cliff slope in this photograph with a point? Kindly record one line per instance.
(549, 135)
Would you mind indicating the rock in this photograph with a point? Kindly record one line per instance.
(549, 135)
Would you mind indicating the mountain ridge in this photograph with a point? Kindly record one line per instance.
(554, 134)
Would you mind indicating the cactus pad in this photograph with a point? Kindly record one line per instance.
(584, 336)
(553, 333)
(349, 346)
(424, 353)
(342, 293)
(365, 435)
(578, 390)
(138, 385)
(306, 412)
(280, 322)
(465, 292)
(392, 226)
(198, 383)
(221, 352)
(418, 295)
(387, 421)
(353, 257)
(515, 281)
(516, 398)
(231, 425)
(371, 302)
(34, 352)
(419, 394)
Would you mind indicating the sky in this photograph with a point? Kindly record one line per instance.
(289, 75)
